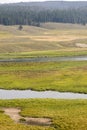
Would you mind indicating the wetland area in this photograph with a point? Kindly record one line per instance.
(43, 77)
(19, 94)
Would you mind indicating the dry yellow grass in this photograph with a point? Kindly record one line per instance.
(41, 39)
(57, 38)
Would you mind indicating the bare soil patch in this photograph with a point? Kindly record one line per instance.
(14, 115)
(81, 45)
(38, 121)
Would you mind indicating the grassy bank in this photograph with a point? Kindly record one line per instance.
(56, 53)
(65, 114)
(59, 76)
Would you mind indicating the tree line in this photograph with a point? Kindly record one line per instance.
(31, 15)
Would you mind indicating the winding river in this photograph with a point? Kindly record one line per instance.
(46, 59)
(14, 94)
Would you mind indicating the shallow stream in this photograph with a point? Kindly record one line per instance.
(14, 94)
(46, 59)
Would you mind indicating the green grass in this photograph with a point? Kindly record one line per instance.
(65, 114)
(60, 53)
(59, 76)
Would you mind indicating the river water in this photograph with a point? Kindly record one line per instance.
(46, 59)
(14, 94)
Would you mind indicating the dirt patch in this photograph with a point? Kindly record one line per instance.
(14, 115)
(81, 45)
(38, 121)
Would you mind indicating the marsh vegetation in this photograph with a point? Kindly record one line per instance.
(65, 114)
(62, 76)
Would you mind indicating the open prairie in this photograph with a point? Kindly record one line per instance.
(51, 39)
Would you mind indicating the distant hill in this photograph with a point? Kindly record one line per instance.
(55, 4)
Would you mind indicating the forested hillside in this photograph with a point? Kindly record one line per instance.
(34, 13)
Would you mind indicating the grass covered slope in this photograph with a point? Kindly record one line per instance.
(51, 39)
(65, 114)
(61, 76)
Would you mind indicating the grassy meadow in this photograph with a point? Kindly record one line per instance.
(59, 76)
(49, 40)
(65, 114)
